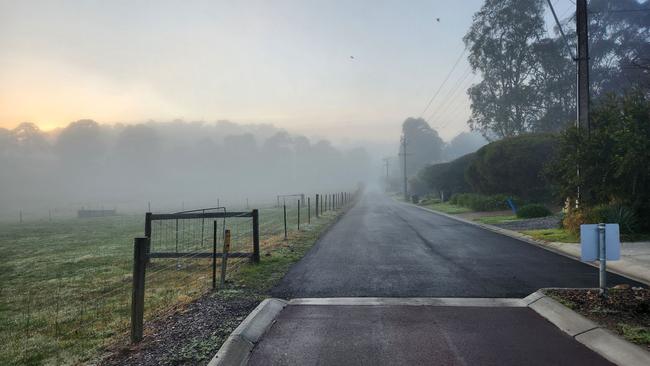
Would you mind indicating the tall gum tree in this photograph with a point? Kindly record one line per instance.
(500, 48)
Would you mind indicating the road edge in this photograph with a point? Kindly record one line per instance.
(598, 339)
(539, 243)
(237, 348)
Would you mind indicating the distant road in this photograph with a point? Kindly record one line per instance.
(384, 248)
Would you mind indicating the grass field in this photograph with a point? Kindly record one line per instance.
(66, 285)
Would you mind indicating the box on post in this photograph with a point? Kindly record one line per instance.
(589, 246)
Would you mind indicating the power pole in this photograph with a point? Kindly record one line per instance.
(404, 154)
(582, 28)
(582, 123)
(582, 59)
(387, 165)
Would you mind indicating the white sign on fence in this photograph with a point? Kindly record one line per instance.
(589, 246)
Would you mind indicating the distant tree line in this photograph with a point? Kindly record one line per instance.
(168, 162)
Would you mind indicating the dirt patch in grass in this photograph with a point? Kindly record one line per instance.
(626, 311)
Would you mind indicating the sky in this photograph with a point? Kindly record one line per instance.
(337, 69)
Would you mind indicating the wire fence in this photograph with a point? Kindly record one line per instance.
(66, 287)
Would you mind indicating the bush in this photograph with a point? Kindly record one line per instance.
(513, 165)
(613, 160)
(533, 210)
(478, 202)
(429, 199)
(614, 214)
(625, 217)
(572, 221)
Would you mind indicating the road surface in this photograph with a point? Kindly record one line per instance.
(417, 335)
(385, 248)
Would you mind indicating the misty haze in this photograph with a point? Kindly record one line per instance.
(325, 182)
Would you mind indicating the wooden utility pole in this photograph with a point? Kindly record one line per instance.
(387, 166)
(404, 154)
(582, 28)
(582, 123)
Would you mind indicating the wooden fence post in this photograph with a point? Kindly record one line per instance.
(285, 221)
(298, 215)
(224, 257)
(137, 294)
(256, 236)
(308, 210)
(316, 206)
(147, 231)
(214, 254)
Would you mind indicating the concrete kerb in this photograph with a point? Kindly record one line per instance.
(583, 330)
(410, 301)
(527, 239)
(237, 348)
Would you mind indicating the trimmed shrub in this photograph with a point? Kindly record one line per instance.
(513, 165)
(448, 178)
(533, 210)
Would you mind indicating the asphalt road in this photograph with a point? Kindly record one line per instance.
(384, 248)
(416, 335)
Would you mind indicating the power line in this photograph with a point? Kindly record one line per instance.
(557, 21)
(444, 82)
(451, 94)
(456, 104)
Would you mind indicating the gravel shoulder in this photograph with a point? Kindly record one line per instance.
(189, 335)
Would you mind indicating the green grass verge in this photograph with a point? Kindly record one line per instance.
(278, 257)
(491, 220)
(635, 334)
(558, 235)
(447, 208)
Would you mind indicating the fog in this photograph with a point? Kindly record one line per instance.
(171, 165)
